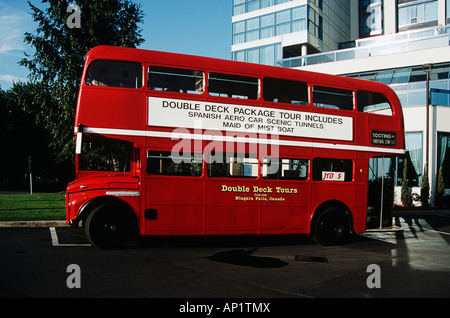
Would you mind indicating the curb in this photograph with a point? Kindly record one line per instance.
(34, 224)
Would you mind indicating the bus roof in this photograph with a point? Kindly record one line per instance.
(230, 66)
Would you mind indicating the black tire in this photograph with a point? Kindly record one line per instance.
(109, 226)
(331, 227)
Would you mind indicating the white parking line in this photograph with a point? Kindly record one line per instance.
(440, 232)
(55, 241)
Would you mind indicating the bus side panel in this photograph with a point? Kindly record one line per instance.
(179, 206)
(286, 209)
(231, 207)
(329, 190)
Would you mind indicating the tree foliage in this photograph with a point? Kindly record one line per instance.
(23, 134)
(57, 63)
(405, 193)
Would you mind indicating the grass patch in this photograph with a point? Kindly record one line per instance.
(36, 207)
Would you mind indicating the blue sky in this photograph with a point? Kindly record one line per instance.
(199, 27)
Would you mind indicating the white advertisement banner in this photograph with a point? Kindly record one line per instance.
(179, 113)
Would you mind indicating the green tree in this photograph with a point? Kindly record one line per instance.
(425, 188)
(57, 64)
(22, 134)
(406, 198)
(4, 133)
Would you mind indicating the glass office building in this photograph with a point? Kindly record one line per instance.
(266, 31)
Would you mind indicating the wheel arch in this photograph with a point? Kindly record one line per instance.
(89, 206)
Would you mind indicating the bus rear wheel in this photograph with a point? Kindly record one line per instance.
(109, 227)
(332, 227)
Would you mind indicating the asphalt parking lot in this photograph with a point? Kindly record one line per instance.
(58, 262)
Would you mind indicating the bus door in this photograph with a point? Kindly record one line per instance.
(380, 200)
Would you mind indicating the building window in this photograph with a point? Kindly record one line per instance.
(283, 19)
(414, 157)
(410, 83)
(417, 12)
(370, 17)
(267, 54)
(448, 11)
(269, 25)
(239, 32)
(252, 29)
(444, 158)
(238, 7)
(244, 6)
(315, 23)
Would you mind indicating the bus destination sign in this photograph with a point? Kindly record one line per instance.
(384, 138)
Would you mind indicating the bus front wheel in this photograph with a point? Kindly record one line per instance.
(109, 227)
(332, 227)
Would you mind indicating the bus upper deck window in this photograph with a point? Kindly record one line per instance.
(330, 97)
(234, 86)
(375, 103)
(114, 74)
(170, 79)
(285, 91)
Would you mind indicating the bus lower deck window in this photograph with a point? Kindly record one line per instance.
(325, 169)
(164, 163)
(285, 169)
(232, 165)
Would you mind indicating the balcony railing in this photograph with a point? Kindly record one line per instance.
(387, 44)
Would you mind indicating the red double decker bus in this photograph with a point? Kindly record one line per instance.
(171, 144)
